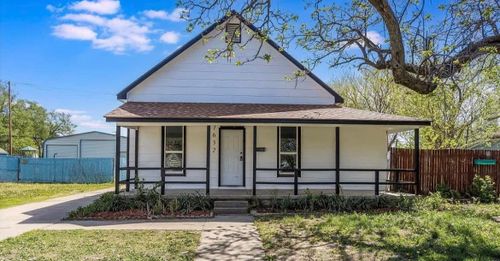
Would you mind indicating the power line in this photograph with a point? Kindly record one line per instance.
(45, 88)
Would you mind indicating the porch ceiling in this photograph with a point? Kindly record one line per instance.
(253, 113)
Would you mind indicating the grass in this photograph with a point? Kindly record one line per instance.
(13, 194)
(101, 245)
(448, 232)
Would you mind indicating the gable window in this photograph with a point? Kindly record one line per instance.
(175, 150)
(288, 148)
(233, 33)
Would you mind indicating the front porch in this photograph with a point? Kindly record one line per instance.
(330, 159)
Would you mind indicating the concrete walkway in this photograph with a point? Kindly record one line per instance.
(222, 237)
(17, 220)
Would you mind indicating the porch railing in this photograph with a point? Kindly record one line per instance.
(296, 182)
(127, 181)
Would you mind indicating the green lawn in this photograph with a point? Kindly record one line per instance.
(450, 232)
(12, 194)
(101, 245)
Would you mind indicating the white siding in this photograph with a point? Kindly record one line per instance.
(190, 78)
(149, 152)
(362, 147)
(150, 155)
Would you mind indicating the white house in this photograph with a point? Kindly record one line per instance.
(249, 130)
(92, 144)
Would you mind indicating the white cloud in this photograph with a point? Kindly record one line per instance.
(174, 16)
(124, 34)
(116, 34)
(102, 24)
(89, 18)
(170, 37)
(68, 111)
(84, 121)
(375, 37)
(69, 31)
(156, 14)
(54, 9)
(104, 7)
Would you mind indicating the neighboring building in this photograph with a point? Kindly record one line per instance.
(92, 144)
(30, 152)
(242, 130)
(3, 152)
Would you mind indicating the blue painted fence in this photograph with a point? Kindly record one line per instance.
(86, 170)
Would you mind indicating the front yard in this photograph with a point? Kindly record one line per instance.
(101, 245)
(12, 194)
(442, 231)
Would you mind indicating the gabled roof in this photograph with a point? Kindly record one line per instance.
(81, 133)
(123, 93)
(254, 113)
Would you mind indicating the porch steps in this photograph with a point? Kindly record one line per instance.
(227, 207)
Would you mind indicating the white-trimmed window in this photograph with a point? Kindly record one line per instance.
(174, 149)
(288, 147)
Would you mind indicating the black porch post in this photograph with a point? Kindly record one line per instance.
(254, 168)
(416, 161)
(136, 157)
(207, 189)
(117, 159)
(162, 168)
(127, 186)
(337, 160)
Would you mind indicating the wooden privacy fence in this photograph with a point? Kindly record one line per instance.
(71, 170)
(452, 167)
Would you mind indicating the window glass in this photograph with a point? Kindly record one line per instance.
(288, 161)
(174, 138)
(173, 160)
(288, 149)
(174, 147)
(288, 139)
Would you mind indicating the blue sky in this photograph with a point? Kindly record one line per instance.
(74, 56)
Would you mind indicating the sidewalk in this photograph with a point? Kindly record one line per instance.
(19, 219)
(222, 237)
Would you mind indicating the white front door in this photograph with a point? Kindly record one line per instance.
(232, 157)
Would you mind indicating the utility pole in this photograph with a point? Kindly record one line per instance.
(10, 118)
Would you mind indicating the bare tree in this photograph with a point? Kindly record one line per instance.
(421, 50)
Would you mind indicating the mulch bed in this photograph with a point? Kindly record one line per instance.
(137, 214)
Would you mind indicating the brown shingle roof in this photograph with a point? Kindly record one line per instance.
(237, 112)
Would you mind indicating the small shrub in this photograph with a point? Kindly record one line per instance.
(432, 202)
(447, 192)
(483, 189)
(149, 201)
(334, 203)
